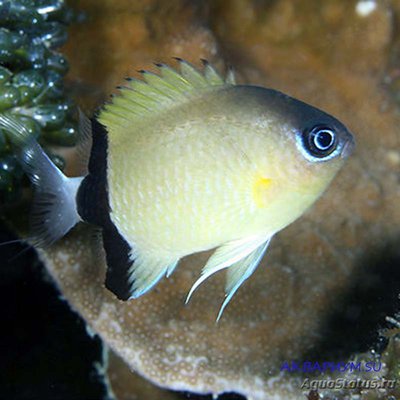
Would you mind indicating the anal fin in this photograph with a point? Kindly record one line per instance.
(146, 271)
(117, 252)
(131, 274)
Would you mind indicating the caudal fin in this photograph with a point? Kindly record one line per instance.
(54, 210)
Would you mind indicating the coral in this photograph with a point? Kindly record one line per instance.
(326, 265)
(127, 385)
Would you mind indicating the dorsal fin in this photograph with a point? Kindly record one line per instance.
(156, 92)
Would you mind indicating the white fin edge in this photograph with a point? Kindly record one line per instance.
(225, 256)
(241, 271)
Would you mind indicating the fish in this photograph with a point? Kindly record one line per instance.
(182, 161)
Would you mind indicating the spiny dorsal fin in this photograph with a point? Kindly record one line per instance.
(156, 92)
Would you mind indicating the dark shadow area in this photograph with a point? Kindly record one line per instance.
(359, 313)
(45, 350)
(358, 317)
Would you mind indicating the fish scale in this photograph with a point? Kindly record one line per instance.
(188, 161)
(188, 199)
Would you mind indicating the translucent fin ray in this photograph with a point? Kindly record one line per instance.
(240, 271)
(174, 78)
(146, 271)
(225, 256)
(211, 74)
(54, 210)
(192, 75)
(156, 92)
(230, 77)
(84, 144)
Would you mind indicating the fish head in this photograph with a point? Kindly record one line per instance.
(319, 145)
(301, 149)
(310, 145)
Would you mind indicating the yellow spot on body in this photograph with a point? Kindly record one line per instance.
(260, 188)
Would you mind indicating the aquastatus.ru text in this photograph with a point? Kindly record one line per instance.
(341, 383)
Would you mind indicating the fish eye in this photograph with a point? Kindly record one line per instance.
(320, 141)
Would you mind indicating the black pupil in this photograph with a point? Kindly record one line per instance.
(320, 141)
(323, 139)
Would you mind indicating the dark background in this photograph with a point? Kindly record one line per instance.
(45, 350)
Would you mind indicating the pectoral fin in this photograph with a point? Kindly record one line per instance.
(240, 271)
(225, 256)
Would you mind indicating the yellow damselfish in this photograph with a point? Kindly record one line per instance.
(183, 162)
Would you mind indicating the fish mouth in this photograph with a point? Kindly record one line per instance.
(348, 147)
